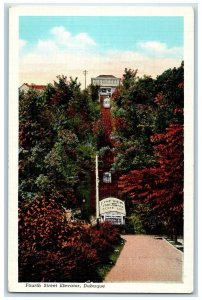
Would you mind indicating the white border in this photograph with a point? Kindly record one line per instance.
(120, 10)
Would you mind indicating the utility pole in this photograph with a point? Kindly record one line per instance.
(97, 190)
(85, 72)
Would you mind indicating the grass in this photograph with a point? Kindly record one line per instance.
(105, 269)
(177, 244)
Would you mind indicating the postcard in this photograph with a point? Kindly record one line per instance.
(101, 105)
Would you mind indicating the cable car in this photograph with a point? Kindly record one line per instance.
(105, 92)
(107, 177)
(106, 102)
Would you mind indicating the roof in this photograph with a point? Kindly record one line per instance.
(112, 76)
(35, 86)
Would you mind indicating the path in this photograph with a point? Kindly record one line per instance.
(145, 258)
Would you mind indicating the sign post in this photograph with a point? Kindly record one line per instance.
(97, 189)
(112, 210)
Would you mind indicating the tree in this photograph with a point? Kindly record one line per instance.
(169, 97)
(148, 125)
(170, 83)
(129, 78)
(94, 92)
(35, 140)
(168, 197)
(161, 187)
(134, 116)
(143, 107)
(57, 141)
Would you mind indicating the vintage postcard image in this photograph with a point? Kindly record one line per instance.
(101, 149)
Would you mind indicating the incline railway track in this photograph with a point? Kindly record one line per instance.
(110, 187)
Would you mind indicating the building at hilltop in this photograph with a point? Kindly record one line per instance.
(107, 83)
(25, 87)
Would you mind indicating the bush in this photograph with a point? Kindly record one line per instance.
(52, 250)
(134, 224)
(104, 239)
(77, 263)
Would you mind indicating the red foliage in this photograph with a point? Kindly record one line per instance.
(50, 249)
(161, 186)
(106, 120)
(159, 100)
(178, 110)
(181, 85)
(116, 93)
(171, 160)
(119, 123)
(104, 239)
(96, 127)
(55, 98)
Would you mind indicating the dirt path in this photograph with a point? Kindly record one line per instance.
(145, 258)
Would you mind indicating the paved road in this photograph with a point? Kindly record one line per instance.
(145, 258)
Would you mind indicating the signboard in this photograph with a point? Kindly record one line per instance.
(112, 205)
(116, 220)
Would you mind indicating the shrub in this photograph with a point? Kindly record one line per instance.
(104, 239)
(52, 250)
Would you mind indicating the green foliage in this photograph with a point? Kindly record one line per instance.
(148, 111)
(56, 140)
(170, 83)
(129, 78)
(134, 224)
(104, 269)
(59, 132)
(94, 92)
(156, 193)
(142, 107)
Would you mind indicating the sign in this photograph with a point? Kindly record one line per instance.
(112, 205)
(116, 220)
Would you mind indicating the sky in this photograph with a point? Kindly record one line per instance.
(51, 46)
